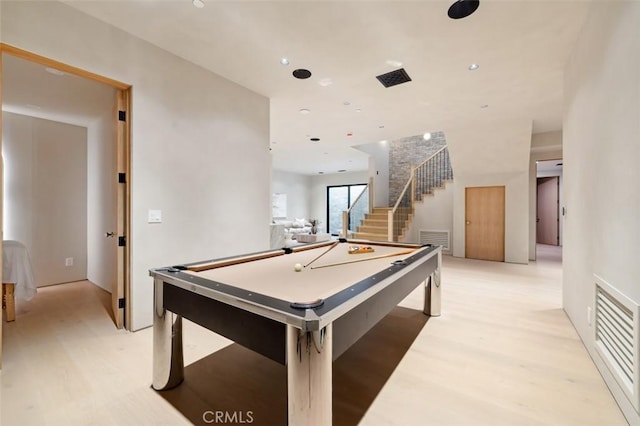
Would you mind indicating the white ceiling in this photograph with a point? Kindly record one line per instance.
(521, 47)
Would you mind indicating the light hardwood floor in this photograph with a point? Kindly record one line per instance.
(502, 353)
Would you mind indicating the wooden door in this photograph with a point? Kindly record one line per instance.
(547, 211)
(484, 218)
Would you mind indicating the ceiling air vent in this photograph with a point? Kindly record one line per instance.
(394, 78)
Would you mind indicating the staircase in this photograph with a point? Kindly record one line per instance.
(375, 226)
(391, 223)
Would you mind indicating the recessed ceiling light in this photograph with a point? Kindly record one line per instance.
(427, 136)
(301, 73)
(341, 171)
(198, 3)
(320, 173)
(394, 63)
(53, 71)
(346, 103)
(484, 106)
(315, 139)
(305, 111)
(473, 67)
(358, 110)
(325, 82)
(380, 127)
(284, 61)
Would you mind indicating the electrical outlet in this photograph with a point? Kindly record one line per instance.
(589, 315)
(68, 261)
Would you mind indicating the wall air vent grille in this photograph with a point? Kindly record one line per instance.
(616, 337)
(436, 238)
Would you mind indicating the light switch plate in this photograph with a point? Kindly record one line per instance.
(155, 216)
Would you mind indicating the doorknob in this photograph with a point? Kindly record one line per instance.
(468, 222)
(109, 234)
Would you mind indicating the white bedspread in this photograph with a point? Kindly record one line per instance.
(16, 268)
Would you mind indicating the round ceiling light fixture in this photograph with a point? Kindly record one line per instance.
(305, 111)
(315, 139)
(198, 3)
(463, 8)
(473, 67)
(302, 73)
(284, 61)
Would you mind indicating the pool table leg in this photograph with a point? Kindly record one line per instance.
(432, 290)
(168, 362)
(309, 358)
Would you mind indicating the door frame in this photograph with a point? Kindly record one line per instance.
(124, 166)
(348, 197)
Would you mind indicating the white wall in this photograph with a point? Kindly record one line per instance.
(200, 144)
(544, 146)
(102, 195)
(296, 186)
(46, 195)
(493, 154)
(318, 191)
(435, 212)
(378, 170)
(601, 173)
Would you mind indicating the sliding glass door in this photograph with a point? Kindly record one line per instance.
(339, 199)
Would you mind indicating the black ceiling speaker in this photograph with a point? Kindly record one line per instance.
(463, 8)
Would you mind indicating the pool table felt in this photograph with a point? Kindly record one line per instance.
(276, 277)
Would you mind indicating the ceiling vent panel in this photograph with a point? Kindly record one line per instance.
(394, 78)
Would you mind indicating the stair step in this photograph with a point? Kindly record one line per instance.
(369, 236)
(377, 216)
(373, 229)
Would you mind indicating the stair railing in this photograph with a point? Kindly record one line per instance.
(423, 178)
(353, 217)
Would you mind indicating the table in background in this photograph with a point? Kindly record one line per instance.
(17, 276)
(303, 320)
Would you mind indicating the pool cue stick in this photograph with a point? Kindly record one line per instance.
(322, 254)
(398, 253)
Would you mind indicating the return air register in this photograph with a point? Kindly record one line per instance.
(616, 337)
(394, 78)
(435, 238)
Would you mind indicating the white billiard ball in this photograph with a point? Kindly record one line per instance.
(297, 267)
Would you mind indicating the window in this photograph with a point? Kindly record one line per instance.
(339, 199)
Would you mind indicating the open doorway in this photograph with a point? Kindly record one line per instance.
(66, 158)
(549, 202)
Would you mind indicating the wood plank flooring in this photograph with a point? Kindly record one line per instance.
(502, 353)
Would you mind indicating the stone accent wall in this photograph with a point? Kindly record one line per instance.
(405, 153)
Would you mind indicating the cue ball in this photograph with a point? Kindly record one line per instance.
(297, 267)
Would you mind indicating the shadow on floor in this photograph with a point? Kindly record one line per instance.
(236, 380)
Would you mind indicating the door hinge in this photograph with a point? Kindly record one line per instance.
(122, 115)
(121, 303)
(122, 178)
(122, 241)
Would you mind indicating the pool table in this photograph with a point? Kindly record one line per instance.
(302, 319)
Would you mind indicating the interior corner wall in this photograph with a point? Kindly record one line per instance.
(516, 235)
(601, 153)
(102, 197)
(542, 139)
(45, 195)
(199, 143)
(318, 191)
(296, 187)
(378, 170)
